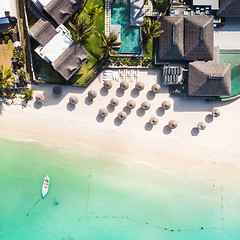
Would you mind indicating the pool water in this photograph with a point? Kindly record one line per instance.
(130, 36)
(233, 57)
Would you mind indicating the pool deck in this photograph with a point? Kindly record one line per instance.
(228, 36)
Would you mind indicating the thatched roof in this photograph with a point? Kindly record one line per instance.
(209, 79)
(185, 38)
(73, 100)
(170, 42)
(61, 10)
(229, 8)
(42, 31)
(198, 38)
(166, 105)
(103, 112)
(201, 125)
(172, 124)
(71, 60)
(156, 88)
(145, 105)
(57, 90)
(108, 84)
(131, 104)
(153, 120)
(216, 112)
(122, 115)
(39, 98)
(114, 102)
(92, 94)
(124, 85)
(139, 86)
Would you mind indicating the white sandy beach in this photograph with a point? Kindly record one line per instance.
(57, 122)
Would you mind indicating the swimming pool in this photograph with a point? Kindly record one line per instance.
(130, 36)
(233, 57)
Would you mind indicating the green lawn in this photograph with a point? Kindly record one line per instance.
(6, 53)
(92, 66)
(148, 49)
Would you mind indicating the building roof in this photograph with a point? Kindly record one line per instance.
(71, 60)
(42, 31)
(213, 3)
(4, 7)
(229, 8)
(198, 38)
(61, 10)
(209, 79)
(171, 40)
(185, 38)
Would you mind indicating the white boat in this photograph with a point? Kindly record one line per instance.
(45, 186)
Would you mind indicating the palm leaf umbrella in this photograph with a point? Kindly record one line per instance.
(139, 86)
(73, 100)
(122, 115)
(57, 90)
(131, 104)
(153, 120)
(166, 105)
(124, 85)
(114, 102)
(92, 94)
(215, 112)
(145, 105)
(201, 125)
(172, 124)
(39, 98)
(103, 112)
(108, 84)
(156, 88)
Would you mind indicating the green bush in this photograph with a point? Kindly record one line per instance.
(21, 74)
(28, 94)
(146, 62)
(6, 38)
(18, 56)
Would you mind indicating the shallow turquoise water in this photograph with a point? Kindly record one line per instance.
(130, 36)
(98, 197)
(233, 58)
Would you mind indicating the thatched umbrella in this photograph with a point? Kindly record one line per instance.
(39, 98)
(122, 115)
(156, 88)
(124, 85)
(103, 112)
(92, 94)
(145, 105)
(201, 125)
(73, 100)
(131, 104)
(108, 84)
(153, 120)
(139, 86)
(172, 124)
(57, 90)
(166, 105)
(215, 112)
(114, 102)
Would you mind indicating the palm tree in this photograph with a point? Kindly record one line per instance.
(93, 10)
(108, 43)
(82, 29)
(151, 29)
(5, 78)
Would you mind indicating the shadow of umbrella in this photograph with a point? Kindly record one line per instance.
(195, 131)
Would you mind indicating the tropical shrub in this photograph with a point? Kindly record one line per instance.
(18, 56)
(28, 94)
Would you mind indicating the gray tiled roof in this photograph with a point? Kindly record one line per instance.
(42, 31)
(188, 38)
(209, 79)
(61, 10)
(71, 60)
(229, 8)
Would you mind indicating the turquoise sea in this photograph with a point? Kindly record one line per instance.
(96, 196)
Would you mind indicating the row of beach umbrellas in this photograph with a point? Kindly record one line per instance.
(125, 85)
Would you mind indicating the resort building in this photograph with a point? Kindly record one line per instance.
(185, 39)
(229, 8)
(56, 45)
(207, 79)
(59, 10)
(7, 18)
